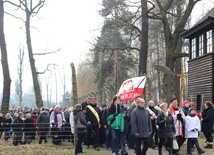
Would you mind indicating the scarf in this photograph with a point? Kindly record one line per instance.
(55, 117)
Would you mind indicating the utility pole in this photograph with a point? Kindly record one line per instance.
(75, 96)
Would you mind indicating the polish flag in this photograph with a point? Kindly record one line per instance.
(132, 86)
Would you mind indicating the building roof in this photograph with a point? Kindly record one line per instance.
(209, 14)
(205, 21)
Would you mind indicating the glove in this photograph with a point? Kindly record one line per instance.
(179, 117)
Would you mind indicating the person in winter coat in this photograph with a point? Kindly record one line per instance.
(43, 124)
(116, 123)
(29, 128)
(7, 126)
(71, 121)
(186, 107)
(67, 126)
(1, 124)
(18, 126)
(57, 121)
(131, 138)
(103, 125)
(207, 123)
(141, 127)
(192, 127)
(166, 129)
(92, 115)
(81, 130)
(178, 117)
(153, 116)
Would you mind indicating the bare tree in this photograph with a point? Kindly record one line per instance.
(174, 15)
(31, 8)
(4, 62)
(19, 90)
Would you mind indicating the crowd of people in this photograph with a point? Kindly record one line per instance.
(139, 126)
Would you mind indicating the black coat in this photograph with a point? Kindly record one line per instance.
(43, 120)
(166, 128)
(28, 125)
(1, 124)
(18, 124)
(207, 120)
(91, 117)
(7, 123)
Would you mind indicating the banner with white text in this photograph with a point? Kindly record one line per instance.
(132, 86)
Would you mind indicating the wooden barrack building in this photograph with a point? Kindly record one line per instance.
(201, 60)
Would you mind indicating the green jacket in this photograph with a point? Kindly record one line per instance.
(117, 122)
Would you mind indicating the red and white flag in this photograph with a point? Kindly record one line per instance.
(132, 86)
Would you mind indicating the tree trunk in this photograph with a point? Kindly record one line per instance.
(20, 75)
(36, 85)
(144, 39)
(173, 41)
(5, 67)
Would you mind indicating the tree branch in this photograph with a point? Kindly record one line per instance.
(180, 55)
(12, 3)
(14, 16)
(47, 69)
(47, 52)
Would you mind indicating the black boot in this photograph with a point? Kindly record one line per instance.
(200, 151)
(170, 151)
(159, 150)
(209, 146)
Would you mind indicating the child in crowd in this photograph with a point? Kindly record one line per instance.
(192, 127)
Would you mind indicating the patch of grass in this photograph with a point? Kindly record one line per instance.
(7, 148)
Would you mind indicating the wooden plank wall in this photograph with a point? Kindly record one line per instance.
(200, 77)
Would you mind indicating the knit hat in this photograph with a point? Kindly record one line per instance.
(172, 99)
(185, 102)
(190, 109)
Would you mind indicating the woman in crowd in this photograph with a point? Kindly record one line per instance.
(116, 123)
(80, 127)
(43, 123)
(67, 127)
(166, 129)
(207, 123)
(7, 126)
(29, 128)
(18, 126)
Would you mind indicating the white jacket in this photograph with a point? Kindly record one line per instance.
(192, 123)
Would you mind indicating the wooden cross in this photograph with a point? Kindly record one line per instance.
(182, 76)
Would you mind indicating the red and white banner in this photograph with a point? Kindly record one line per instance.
(132, 86)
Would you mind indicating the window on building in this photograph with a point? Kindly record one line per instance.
(201, 45)
(193, 48)
(209, 41)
